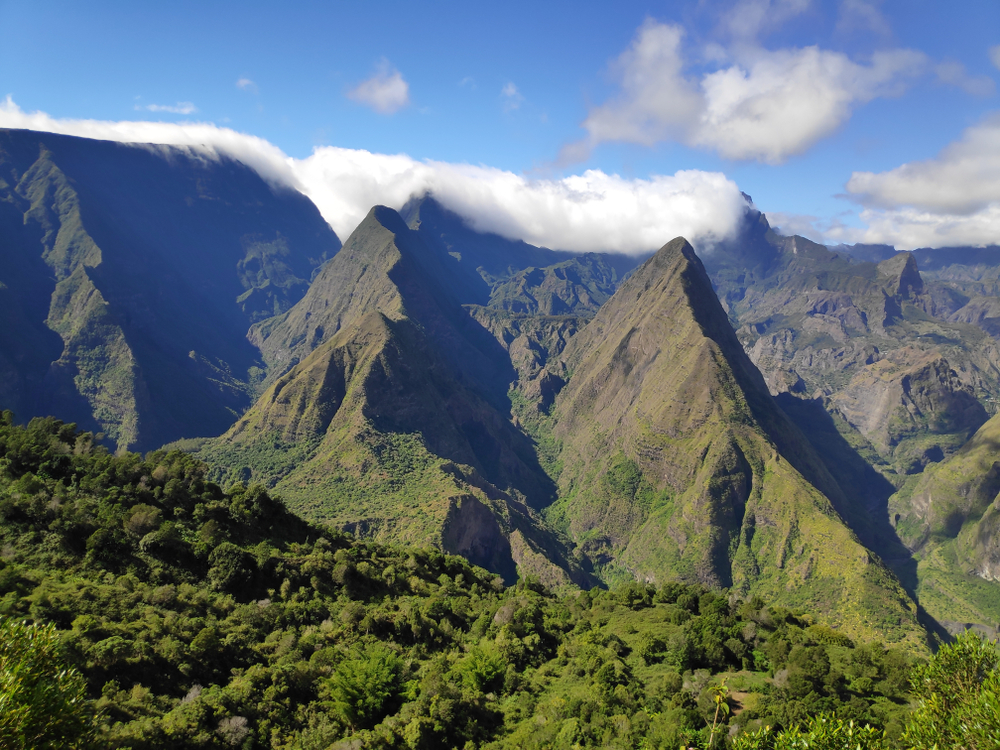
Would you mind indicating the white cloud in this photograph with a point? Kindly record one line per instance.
(511, 96)
(766, 105)
(908, 228)
(952, 199)
(203, 138)
(785, 101)
(589, 212)
(181, 108)
(385, 92)
(862, 14)
(954, 73)
(657, 102)
(963, 179)
(995, 56)
(247, 85)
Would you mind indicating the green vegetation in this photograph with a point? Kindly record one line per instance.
(42, 704)
(129, 279)
(580, 285)
(538, 424)
(678, 464)
(203, 618)
(946, 514)
(958, 696)
(168, 613)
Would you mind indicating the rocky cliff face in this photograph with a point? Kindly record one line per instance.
(912, 406)
(891, 353)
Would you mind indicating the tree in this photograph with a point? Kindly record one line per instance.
(366, 686)
(42, 703)
(483, 669)
(720, 697)
(958, 694)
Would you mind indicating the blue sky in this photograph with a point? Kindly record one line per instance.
(786, 98)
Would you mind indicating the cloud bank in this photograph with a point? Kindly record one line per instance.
(952, 199)
(385, 92)
(207, 139)
(593, 211)
(765, 106)
(589, 212)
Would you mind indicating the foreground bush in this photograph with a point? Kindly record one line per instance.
(958, 695)
(42, 703)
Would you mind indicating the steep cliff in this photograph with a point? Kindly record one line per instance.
(129, 276)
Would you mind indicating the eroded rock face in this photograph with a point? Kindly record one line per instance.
(472, 531)
(897, 357)
(901, 275)
(910, 397)
(981, 543)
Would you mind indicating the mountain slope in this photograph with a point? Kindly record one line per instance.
(950, 517)
(676, 463)
(577, 286)
(393, 423)
(387, 267)
(130, 275)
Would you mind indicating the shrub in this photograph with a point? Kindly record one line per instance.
(42, 704)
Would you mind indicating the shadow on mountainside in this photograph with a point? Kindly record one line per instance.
(859, 479)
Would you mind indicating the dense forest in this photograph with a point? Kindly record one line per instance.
(142, 606)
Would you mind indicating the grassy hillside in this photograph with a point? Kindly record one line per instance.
(948, 516)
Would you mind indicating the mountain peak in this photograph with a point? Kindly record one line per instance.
(677, 463)
(678, 246)
(673, 280)
(903, 274)
(388, 218)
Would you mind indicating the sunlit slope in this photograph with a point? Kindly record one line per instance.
(676, 463)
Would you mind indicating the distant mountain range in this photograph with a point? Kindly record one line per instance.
(805, 423)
